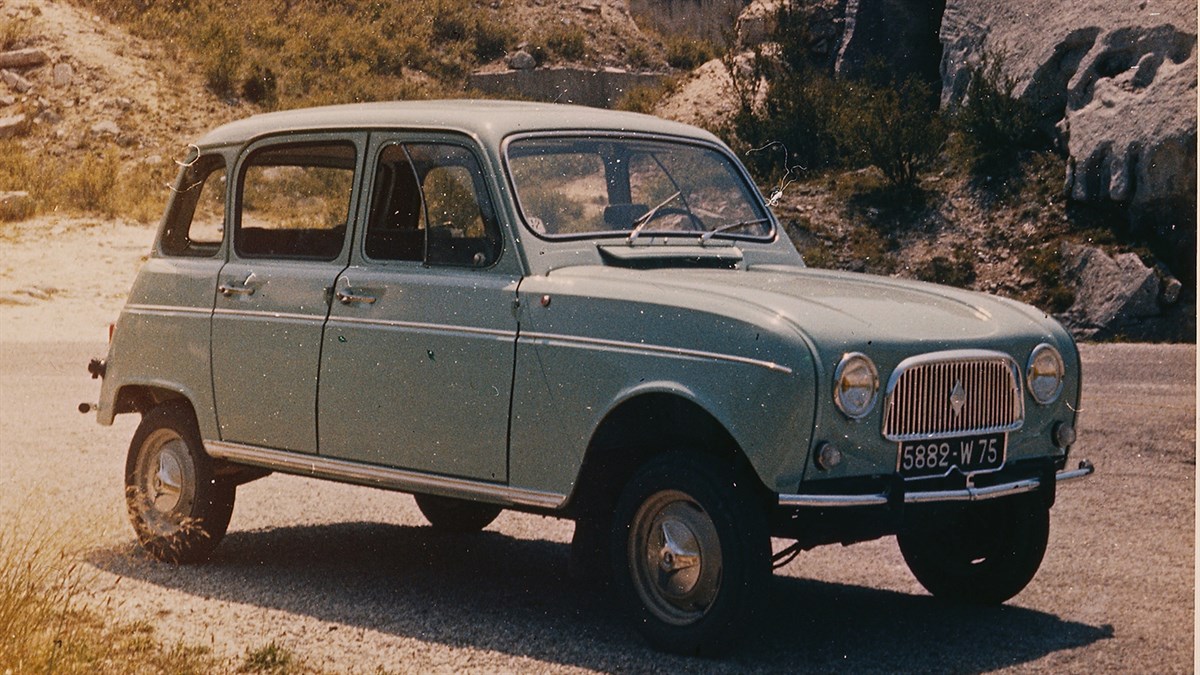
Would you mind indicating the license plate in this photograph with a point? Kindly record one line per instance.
(969, 454)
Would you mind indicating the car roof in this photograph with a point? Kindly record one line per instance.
(490, 120)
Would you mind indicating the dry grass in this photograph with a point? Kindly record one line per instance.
(96, 182)
(46, 628)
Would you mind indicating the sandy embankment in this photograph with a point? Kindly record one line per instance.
(65, 279)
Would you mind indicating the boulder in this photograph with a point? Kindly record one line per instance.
(522, 60)
(1113, 295)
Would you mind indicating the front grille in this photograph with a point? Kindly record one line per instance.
(953, 394)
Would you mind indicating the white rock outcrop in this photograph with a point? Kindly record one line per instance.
(1118, 80)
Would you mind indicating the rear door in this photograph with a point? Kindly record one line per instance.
(416, 371)
(292, 213)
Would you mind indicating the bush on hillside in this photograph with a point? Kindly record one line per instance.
(994, 125)
(895, 127)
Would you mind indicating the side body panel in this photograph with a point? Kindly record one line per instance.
(596, 345)
(162, 336)
(420, 377)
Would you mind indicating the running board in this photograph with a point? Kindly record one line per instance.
(381, 477)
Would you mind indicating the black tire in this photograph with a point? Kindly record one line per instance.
(691, 553)
(178, 508)
(456, 515)
(984, 555)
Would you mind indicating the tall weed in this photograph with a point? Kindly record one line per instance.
(46, 627)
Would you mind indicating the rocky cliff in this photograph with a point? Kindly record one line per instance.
(1116, 80)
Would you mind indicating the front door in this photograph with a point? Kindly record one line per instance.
(416, 370)
(293, 205)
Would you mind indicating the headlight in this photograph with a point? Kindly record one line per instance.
(1044, 375)
(855, 385)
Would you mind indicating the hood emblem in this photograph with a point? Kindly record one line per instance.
(958, 398)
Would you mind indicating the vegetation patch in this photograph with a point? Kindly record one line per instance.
(46, 630)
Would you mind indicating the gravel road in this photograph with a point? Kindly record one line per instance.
(352, 580)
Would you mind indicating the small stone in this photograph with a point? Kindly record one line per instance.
(106, 128)
(64, 75)
(7, 100)
(15, 81)
(23, 58)
(48, 117)
(13, 126)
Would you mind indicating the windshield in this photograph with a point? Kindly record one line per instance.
(580, 187)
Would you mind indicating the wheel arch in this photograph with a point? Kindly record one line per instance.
(142, 397)
(640, 427)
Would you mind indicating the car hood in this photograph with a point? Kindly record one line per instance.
(841, 311)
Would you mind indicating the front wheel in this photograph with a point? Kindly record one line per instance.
(983, 555)
(178, 508)
(691, 553)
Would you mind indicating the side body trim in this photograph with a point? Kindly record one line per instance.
(380, 476)
(167, 309)
(425, 327)
(655, 349)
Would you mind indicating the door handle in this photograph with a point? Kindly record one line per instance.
(346, 297)
(229, 289)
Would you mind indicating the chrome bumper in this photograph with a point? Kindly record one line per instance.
(970, 494)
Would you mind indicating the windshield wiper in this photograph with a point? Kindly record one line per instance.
(644, 219)
(730, 226)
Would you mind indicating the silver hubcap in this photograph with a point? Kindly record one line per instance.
(165, 482)
(166, 487)
(675, 556)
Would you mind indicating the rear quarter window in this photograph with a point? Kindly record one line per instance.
(195, 223)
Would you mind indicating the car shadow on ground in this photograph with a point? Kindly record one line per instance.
(494, 592)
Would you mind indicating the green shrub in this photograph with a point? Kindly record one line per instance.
(894, 127)
(1043, 264)
(688, 53)
(568, 42)
(638, 56)
(220, 57)
(956, 269)
(261, 87)
(644, 98)
(994, 125)
(791, 130)
(270, 658)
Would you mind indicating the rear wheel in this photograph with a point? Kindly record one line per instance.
(178, 508)
(456, 515)
(691, 554)
(985, 555)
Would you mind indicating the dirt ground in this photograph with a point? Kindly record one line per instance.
(351, 579)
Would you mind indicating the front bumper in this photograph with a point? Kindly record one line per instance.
(967, 494)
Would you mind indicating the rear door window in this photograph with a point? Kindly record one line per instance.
(295, 201)
(430, 205)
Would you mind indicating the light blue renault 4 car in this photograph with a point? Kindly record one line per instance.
(584, 314)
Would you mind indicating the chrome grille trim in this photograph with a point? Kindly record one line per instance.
(918, 402)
